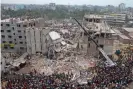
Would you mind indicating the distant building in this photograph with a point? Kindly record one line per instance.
(52, 6)
(18, 7)
(127, 36)
(130, 9)
(12, 7)
(122, 7)
(110, 8)
(115, 19)
(130, 17)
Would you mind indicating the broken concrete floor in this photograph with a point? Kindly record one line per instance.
(69, 65)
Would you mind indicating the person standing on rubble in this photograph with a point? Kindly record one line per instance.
(35, 71)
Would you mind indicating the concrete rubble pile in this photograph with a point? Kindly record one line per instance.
(10, 55)
(69, 65)
(69, 42)
(69, 55)
(12, 61)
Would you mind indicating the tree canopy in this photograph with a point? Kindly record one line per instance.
(60, 12)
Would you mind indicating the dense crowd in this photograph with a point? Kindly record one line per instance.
(36, 81)
(117, 77)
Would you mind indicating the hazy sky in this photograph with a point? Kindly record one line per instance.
(72, 2)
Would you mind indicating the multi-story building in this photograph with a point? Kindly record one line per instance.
(52, 6)
(130, 16)
(122, 7)
(115, 19)
(128, 32)
(110, 8)
(13, 33)
(36, 40)
(12, 6)
(101, 32)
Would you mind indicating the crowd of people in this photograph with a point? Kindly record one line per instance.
(36, 81)
(117, 77)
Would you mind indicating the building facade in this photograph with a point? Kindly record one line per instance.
(117, 20)
(101, 33)
(13, 33)
(36, 40)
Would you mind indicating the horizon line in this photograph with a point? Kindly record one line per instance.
(64, 4)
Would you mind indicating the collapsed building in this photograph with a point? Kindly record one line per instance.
(73, 50)
(13, 32)
(50, 41)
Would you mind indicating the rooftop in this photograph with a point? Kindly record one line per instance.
(117, 31)
(117, 14)
(19, 20)
(123, 36)
(100, 27)
(93, 16)
(131, 35)
(5, 20)
(129, 29)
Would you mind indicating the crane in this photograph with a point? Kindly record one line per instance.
(108, 61)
